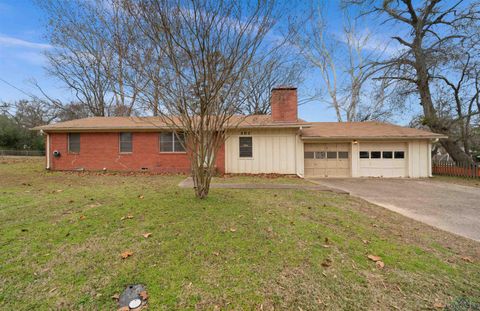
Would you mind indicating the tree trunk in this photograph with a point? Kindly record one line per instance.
(430, 114)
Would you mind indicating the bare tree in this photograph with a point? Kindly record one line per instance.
(206, 49)
(79, 54)
(278, 69)
(459, 90)
(73, 111)
(31, 113)
(435, 29)
(94, 43)
(341, 62)
(125, 45)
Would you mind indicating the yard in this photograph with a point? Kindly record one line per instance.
(62, 236)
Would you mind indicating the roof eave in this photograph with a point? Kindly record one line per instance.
(152, 129)
(436, 136)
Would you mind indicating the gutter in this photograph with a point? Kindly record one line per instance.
(155, 129)
(312, 138)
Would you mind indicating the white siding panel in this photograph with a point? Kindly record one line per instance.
(273, 152)
(419, 161)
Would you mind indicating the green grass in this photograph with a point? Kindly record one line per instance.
(464, 181)
(238, 249)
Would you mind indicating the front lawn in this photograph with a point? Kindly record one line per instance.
(62, 236)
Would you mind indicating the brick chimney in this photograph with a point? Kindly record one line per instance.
(284, 104)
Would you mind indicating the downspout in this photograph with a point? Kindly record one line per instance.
(47, 148)
(297, 136)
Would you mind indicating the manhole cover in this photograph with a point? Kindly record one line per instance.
(134, 296)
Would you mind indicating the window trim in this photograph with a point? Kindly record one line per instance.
(402, 158)
(331, 152)
(348, 155)
(309, 152)
(68, 144)
(120, 143)
(239, 156)
(173, 143)
(383, 153)
(375, 151)
(360, 152)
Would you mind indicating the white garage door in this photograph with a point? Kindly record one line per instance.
(327, 160)
(383, 159)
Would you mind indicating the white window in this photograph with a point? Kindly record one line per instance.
(172, 142)
(125, 142)
(245, 145)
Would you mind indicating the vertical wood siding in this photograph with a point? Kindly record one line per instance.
(274, 151)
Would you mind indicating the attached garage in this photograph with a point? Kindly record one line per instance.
(366, 149)
(327, 160)
(380, 159)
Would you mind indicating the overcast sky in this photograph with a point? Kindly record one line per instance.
(22, 45)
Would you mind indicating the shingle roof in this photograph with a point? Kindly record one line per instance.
(155, 123)
(310, 130)
(363, 130)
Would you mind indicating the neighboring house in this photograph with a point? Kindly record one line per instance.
(278, 143)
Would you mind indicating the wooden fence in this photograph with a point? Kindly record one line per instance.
(471, 170)
(25, 153)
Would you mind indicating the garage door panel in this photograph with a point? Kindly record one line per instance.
(384, 167)
(325, 164)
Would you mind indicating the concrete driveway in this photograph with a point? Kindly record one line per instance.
(447, 206)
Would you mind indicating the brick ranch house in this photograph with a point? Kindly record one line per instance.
(279, 143)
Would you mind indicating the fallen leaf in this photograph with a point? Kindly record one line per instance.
(140, 196)
(216, 253)
(439, 305)
(116, 296)
(146, 235)
(82, 217)
(59, 190)
(327, 263)
(233, 229)
(127, 217)
(380, 264)
(365, 241)
(374, 258)
(144, 295)
(326, 246)
(126, 254)
(467, 259)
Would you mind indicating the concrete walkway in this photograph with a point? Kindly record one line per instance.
(188, 183)
(447, 206)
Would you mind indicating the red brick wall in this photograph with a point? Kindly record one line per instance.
(101, 150)
(284, 104)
